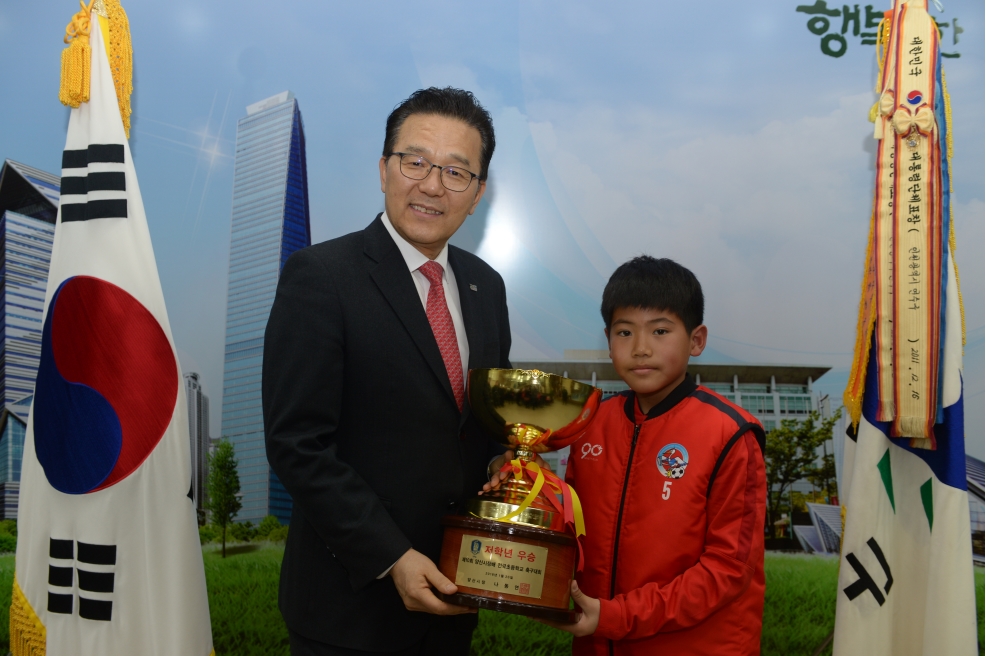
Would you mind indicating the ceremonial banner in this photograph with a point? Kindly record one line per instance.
(905, 579)
(903, 305)
(108, 556)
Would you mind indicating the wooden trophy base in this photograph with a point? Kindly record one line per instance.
(508, 567)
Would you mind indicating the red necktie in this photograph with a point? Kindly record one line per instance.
(441, 324)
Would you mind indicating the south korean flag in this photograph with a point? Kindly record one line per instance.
(108, 555)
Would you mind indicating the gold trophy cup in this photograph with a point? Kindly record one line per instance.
(516, 548)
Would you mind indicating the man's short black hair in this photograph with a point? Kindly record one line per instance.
(655, 284)
(451, 103)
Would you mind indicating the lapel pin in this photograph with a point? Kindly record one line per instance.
(473, 287)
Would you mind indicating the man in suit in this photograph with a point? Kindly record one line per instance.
(365, 355)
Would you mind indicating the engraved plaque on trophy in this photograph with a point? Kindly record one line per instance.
(516, 548)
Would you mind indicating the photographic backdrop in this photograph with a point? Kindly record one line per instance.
(732, 137)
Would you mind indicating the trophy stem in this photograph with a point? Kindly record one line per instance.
(524, 437)
(524, 453)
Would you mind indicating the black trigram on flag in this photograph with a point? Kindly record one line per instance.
(94, 185)
(865, 582)
(94, 565)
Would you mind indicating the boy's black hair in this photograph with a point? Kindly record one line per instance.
(656, 284)
(451, 103)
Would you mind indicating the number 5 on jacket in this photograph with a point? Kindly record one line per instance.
(666, 493)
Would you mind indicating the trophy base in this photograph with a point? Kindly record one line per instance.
(509, 567)
(514, 607)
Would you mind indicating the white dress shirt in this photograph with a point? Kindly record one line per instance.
(414, 259)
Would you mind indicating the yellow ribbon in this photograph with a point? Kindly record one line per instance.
(570, 500)
(923, 119)
(529, 499)
(577, 512)
(518, 469)
(539, 481)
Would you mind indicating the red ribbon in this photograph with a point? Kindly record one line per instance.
(566, 508)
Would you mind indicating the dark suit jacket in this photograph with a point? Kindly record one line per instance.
(363, 430)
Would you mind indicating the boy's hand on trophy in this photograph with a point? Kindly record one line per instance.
(590, 615)
(414, 577)
(497, 477)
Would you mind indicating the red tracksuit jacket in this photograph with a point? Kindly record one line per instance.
(674, 508)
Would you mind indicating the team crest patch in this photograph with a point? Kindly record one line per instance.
(672, 460)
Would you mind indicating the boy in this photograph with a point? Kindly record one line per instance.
(673, 487)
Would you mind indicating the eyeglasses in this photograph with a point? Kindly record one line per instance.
(453, 178)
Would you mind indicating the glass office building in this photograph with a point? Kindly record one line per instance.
(28, 208)
(270, 221)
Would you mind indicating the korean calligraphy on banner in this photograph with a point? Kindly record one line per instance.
(908, 228)
(834, 25)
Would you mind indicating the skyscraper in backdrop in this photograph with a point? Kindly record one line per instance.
(270, 222)
(28, 209)
(198, 438)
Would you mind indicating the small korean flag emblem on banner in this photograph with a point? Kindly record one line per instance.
(108, 555)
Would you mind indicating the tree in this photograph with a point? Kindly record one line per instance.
(241, 532)
(823, 476)
(224, 487)
(267, 524)
(791, 454)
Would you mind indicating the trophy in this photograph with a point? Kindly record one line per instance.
(517, 547)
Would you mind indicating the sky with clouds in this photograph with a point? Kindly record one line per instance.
(716, 134)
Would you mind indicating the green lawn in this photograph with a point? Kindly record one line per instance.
(798, 614)
(500, 633)
(799, 603)
(243, 599)
(6, 586)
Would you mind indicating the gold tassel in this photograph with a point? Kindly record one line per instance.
(883, 36)
(874, 111)
(120, 52)
(76, 59)
(951, 213)
(852, 398)
(28, 636)
(882, 43)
